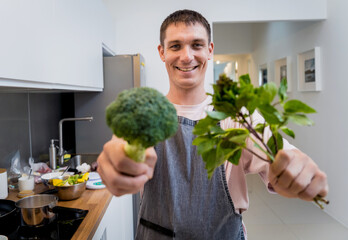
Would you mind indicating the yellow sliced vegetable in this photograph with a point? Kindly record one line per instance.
(57, 182)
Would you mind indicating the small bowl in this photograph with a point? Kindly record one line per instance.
(69, 192)
(48, 176)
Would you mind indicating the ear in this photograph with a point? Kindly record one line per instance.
(211, 50)
(161, 52)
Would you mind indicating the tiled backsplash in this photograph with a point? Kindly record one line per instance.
(45, 113)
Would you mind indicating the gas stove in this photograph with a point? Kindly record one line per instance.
(63, 227)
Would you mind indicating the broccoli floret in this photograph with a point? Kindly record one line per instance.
(143, 117)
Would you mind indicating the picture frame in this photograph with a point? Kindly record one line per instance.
(309, 71)
(282, 68)
(263, 74)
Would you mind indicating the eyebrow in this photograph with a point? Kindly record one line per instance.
(195, 40)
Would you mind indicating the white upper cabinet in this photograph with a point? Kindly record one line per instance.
(54, 44)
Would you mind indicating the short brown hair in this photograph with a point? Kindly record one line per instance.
(184, 16)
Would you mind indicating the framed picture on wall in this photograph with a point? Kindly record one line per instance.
(263, 74)
(282, 69)
(308, 70)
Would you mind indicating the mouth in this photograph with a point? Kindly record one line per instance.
(186, 69)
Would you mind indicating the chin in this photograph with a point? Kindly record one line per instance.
(187, 83)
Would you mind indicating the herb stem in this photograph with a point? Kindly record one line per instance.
(275, 104)
(252, 130)
(257, 155)
(252, 152)
(263, 131)
(275, 143)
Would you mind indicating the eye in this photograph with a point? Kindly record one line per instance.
(197, 45)
(175, 47)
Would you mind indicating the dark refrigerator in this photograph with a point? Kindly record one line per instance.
(120, 72)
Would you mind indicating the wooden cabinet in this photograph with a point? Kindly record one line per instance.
(117, 222)
(53, 44)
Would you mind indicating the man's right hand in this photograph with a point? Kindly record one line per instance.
(120, 174)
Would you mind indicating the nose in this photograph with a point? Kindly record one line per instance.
(186, 54)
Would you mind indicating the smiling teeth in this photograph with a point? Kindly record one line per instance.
(186, 69)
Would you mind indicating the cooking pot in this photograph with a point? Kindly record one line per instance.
(9, 216)
(37, 210)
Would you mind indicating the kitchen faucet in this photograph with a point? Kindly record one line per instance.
(61, 151)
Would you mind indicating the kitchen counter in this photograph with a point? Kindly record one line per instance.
(95, 201)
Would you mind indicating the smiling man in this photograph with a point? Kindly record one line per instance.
(178, 200)
(185, 49)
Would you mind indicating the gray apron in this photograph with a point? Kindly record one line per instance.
(180, 201)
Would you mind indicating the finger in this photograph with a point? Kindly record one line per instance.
(103, 165)
(105, 169)
(100, 162)
(303, 180)
(118, 183)
(150, 160)
(280, 163)
(128, 184)
(292, 171)
(114, 151)
(318, 186)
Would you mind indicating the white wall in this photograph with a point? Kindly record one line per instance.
(138, 22)
(243, 42)
(325, 142)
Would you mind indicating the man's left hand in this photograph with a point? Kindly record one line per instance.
(294, 174)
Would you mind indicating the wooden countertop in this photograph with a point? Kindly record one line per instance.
(95, 201)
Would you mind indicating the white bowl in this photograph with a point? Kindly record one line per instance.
(51, 175)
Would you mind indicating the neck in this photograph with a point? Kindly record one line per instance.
(186, 96)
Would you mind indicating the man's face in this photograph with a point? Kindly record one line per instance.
(186, 52)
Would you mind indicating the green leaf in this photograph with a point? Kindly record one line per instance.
(222, 152)
(244, 79)
(215, 129)
(204, 125)
(234, 156)
(282, 90)
(198, 140)
(226, 107)
(301, 119)
(246, 98)
(270, 114)
(237, 135)
(206, 146)
(252, 105)
(240, 139)
(267, 92)
(288, 131)
(217, 115)
(260, 127)
(296, 106)
(210, 163)
(275, 143)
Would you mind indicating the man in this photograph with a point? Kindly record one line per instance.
(178, 200)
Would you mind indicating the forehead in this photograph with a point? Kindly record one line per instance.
(182, 32)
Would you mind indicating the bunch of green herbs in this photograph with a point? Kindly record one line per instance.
(239, 100)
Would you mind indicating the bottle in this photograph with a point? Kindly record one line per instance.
(53, 155)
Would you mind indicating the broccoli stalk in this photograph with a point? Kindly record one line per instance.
(135, 152)
(142, 117)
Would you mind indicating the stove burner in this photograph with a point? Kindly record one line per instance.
(63, 227)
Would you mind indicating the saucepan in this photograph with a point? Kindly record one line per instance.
(37, 210)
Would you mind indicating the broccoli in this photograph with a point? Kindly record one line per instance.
(143, 117)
